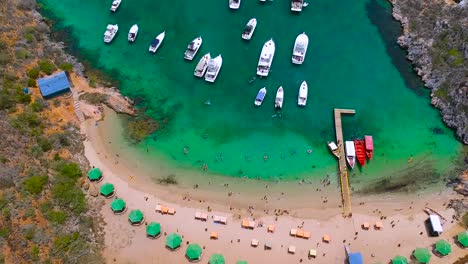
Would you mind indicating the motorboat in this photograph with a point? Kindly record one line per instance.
(296, 5)
(350, 153)
(369, 146)
(132, 33)
(110, 33)
(115, 5)
(302, 97)
(279, 98)
(234, 4)
(333, 148)
(300, 48)
(360, 148)
(200, 69)
(249, 29)
(260, 96)
(214, 65)
(157, 42)
(266, 58)
(192, 48)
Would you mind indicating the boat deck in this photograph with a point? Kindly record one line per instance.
(343, 169)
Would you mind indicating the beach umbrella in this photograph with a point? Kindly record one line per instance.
(193, 252)
(216, 259)
(94, 174)
(443, 247)
(422, 255)
(173, 241)
(153, 229)
(241, 262)
(118, 205)
(135, 217)
(463, 238)
(107, 189)
(399, 260)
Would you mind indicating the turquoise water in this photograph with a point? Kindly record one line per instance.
(347, 66)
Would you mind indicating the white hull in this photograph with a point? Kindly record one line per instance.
(193, 48)
(157, 42)
(266, 58)
(133, 33)
(296, 5)
(260, 97)
(110, 33)
(115, 5)
(234, 4)
(300, 49)
(350, 154)
(252, 24)
(303, 92)
(279, 98)
(214, 66)
(200, 69)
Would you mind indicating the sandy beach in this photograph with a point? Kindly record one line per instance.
(402, 217)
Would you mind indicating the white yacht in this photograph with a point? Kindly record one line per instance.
(214, 65)
(350, 153)
(260, 96)
(115, 5)
(266, 58)
(110, 33)
(192, 48)
(200, 69)
(234, 4)
(249, 29)
(132, 33)
(300, 48)
(279, 98)
(296, 5)
(157, 42)
(302, 97)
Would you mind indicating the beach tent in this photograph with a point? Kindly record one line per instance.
(193, 252)
(422, 255)
(217, 259)
(355, 258)
(153, 229)
(94, 174)
(399, 260)
(463, 238)
(434, 225)
(173, 241)
(54, 85)
(107, 189)
(241, 262)
(118, 205)
(135, 217)
(443, 247)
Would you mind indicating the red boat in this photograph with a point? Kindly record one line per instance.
(369, 146)
(360, 151)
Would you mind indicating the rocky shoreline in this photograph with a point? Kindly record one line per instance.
(434, 34)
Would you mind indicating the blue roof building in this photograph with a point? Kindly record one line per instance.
(54, 85)
(355, 258)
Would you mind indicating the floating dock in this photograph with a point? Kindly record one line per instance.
(343, 169)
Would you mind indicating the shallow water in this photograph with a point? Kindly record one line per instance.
(347, 66)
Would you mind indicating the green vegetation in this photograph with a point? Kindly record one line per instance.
(57, 217)
(170, 179)
(33, 73)
(465, 219)
(94, 98)
(140, 127)
(66, 66)
(47, 66)
(35, 184)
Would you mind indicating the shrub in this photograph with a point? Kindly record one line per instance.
(4, 57)
(465, 219)
(44, 144)
(68, 195)
(69, 170)
(29, 37)
(4, 231)
(33, 73)
(38, 105)
(57, 217)
(47, 67)
(35, 253)
(32, 83)
(22, 54)
(62, 243)
(6, 101)
(66, 66)
(35, 184)
(29, 232)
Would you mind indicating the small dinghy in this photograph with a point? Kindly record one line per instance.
(157, 42)
(279, 98)
(260, 96)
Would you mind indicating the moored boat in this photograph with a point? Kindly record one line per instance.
(132, 33)
(279, 98)
(369, 146)
(350, 153)
(110, 33)
(296, 5)
(302, 97)
(266, 58)
(157, 42)
(333, 148)
(214, 65)
(234, 4)
(200, 69)
(115, 5)
(300, 48)
(260, 96)
(249, 29)
(193, 48)
(360, 151)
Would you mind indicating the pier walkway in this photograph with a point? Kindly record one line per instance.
(343, 169)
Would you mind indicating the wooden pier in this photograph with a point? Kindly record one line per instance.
(343, 169)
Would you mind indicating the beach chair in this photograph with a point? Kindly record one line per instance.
(251, 224)
(378, 225)
(267, 246)
(164, 210)
(245, 223)
(326, 238)
(293, 232)
(216, 218)
(300, 233)
(271, 228)
(171, 211)
(198, 215)
(291, 250)
(204, 217)
(312, 253)
(365, 226)
(214, 235)
(158, 208)
(306, 235)
(223, 220)
(254, 243)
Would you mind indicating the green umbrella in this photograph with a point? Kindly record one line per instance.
(173, 241)
(422, 255)
(95, 174)
(241, 262)
(107, 189)
(153, 229)
(443, 247)
(463, 238)
(193, 252)
(135, 217)
(216, 259)
(399, 260)
(118, 205)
